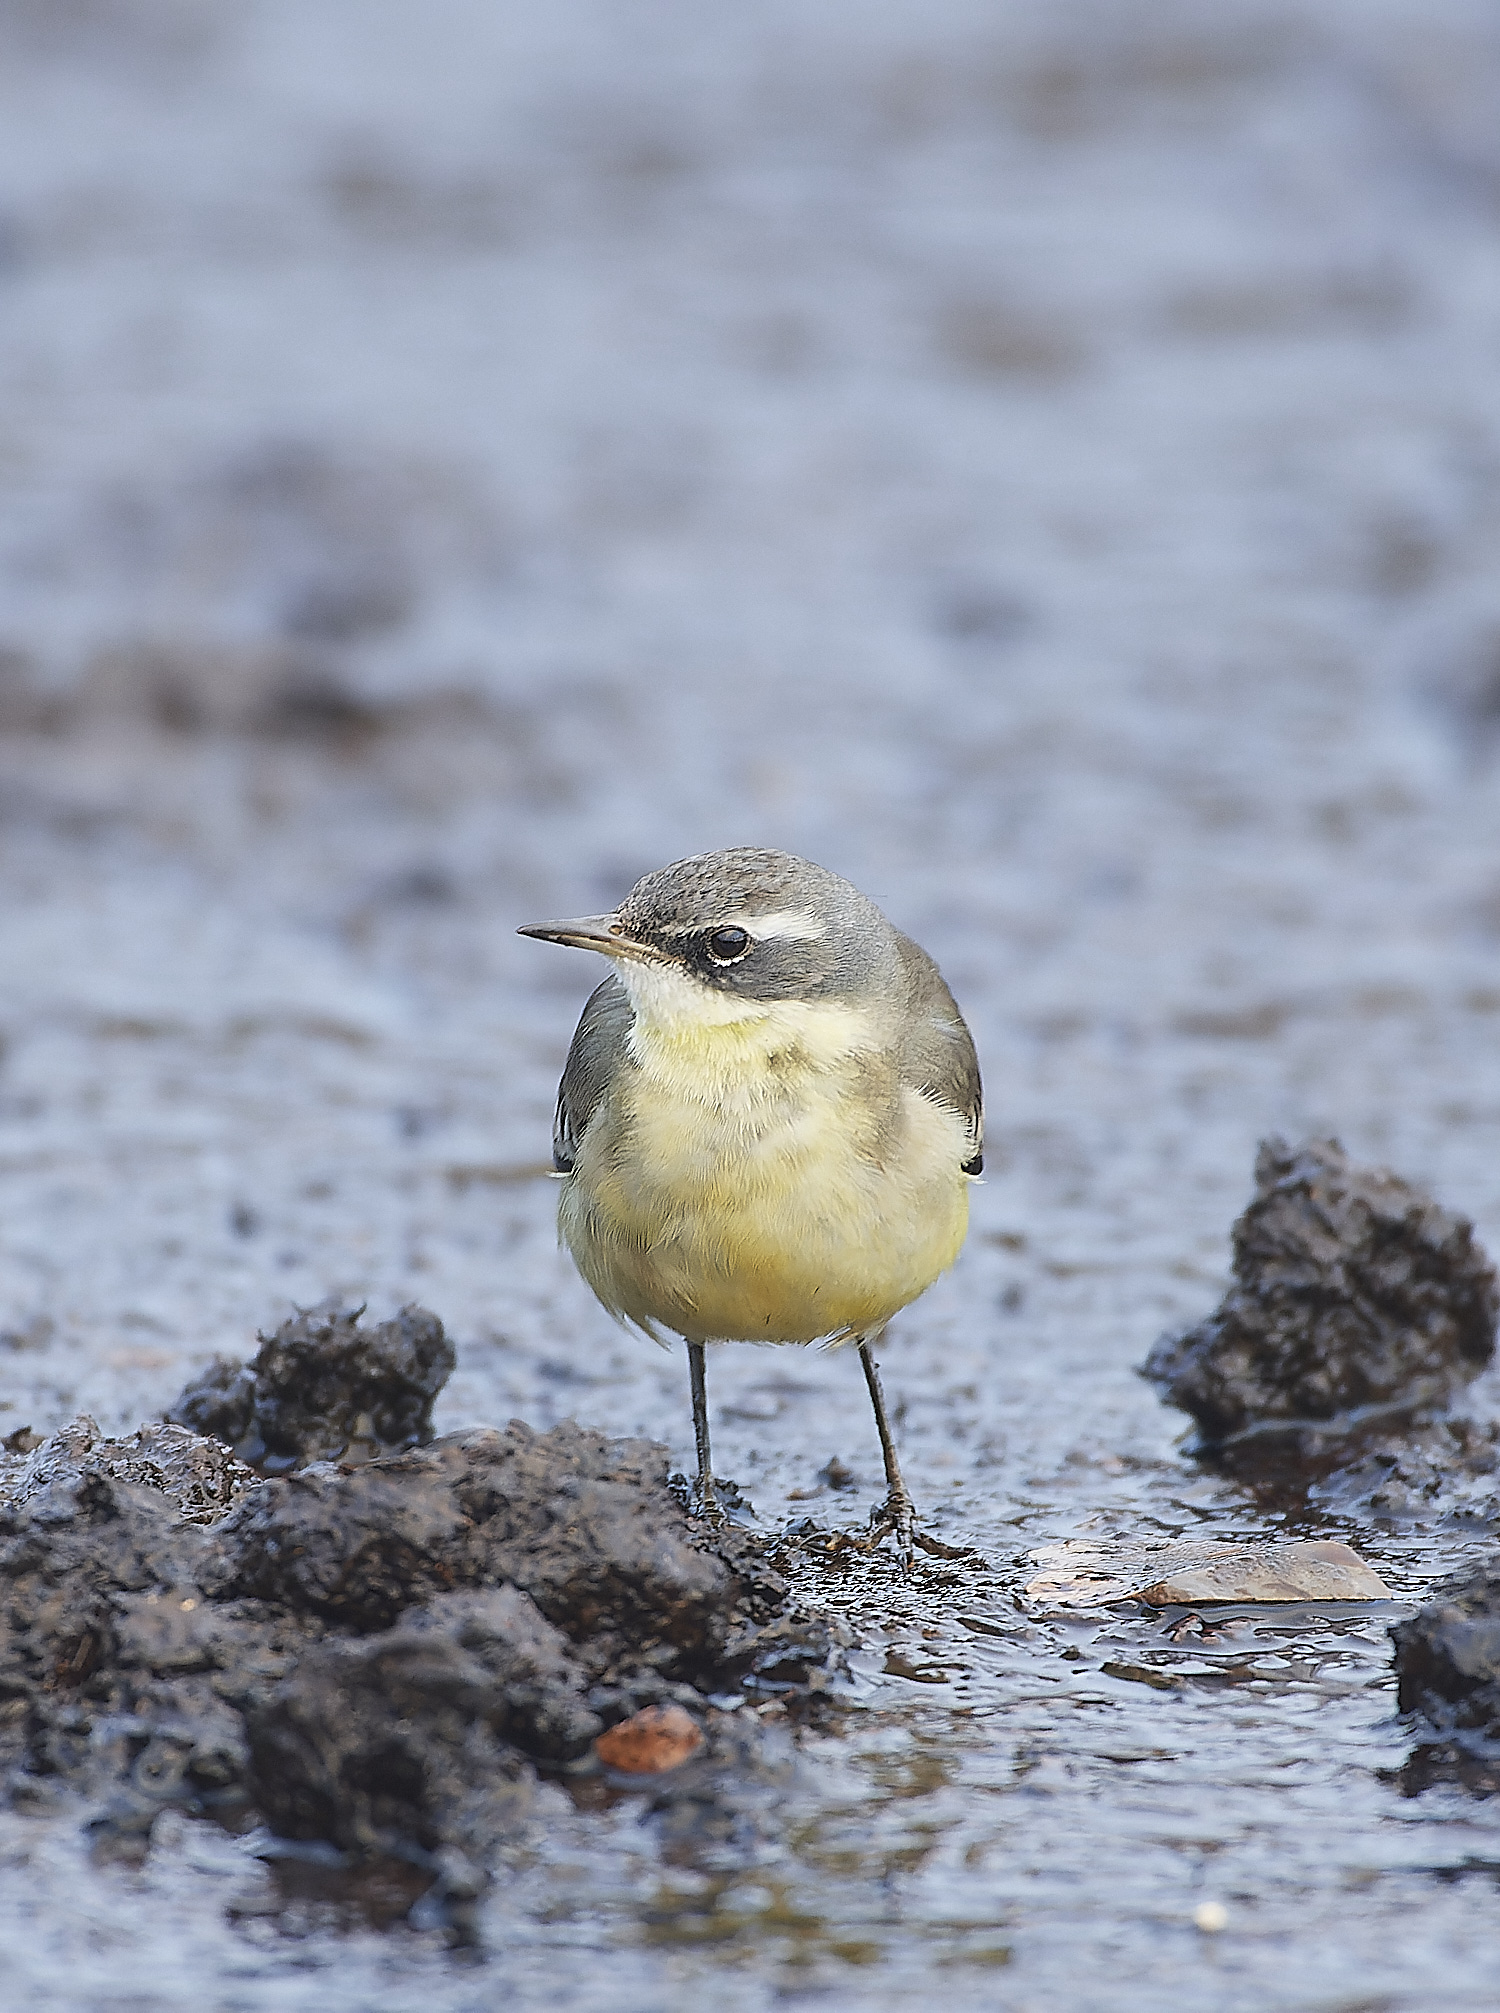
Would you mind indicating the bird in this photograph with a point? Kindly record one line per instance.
(768, 1124)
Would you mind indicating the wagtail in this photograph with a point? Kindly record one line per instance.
(768, 1121)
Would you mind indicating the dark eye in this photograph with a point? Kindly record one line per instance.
(728, 944)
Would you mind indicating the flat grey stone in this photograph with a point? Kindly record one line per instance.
(1080, 1574)
(1318, 1569)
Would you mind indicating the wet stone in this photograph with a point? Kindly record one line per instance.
(323, 1388)
(1317, 1569)
(1356, 1296)
(1081, 1575)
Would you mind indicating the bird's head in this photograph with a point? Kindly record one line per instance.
(725, 936)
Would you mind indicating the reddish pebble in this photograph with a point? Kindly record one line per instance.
(649, 1742)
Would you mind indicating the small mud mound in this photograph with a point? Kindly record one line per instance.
(388, 1656)
(1448, 1673)
(322, 1389)
(1355, 1295)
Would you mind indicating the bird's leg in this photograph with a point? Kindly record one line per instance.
(897, 1514)
(705, 1503)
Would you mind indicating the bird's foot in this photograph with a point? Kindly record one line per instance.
(704, 1506)
(896, 1517)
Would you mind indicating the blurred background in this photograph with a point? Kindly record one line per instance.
(1039, 458)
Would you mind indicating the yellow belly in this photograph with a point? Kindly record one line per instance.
(750, 1192)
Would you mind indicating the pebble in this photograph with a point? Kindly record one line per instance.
(651, 1741)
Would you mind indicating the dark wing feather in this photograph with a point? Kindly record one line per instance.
(937, 1053)
(596, 1052)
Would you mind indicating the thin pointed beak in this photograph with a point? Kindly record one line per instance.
(588, 933)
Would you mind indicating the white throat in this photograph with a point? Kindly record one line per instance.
(670, 1001)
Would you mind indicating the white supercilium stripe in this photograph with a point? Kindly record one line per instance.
(800, 924)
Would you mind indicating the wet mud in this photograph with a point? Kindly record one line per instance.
(381, 1658)
(1360, 1309)
(324, 1389)
(405, 1655)
(1354, 1294)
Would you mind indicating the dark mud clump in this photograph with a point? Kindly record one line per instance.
(1356, 1297)
(421, 1733)
(387, 1657)
(587, 1527)
(1448, 1674)
(322, 1388)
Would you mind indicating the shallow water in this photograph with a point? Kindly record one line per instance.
(1045, 466)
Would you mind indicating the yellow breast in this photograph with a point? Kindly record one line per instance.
(766, 1179)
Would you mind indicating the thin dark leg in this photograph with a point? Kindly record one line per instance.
(705, 1502)
(897, 1513)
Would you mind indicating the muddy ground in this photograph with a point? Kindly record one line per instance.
(378, 1662)
(1042, 462)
